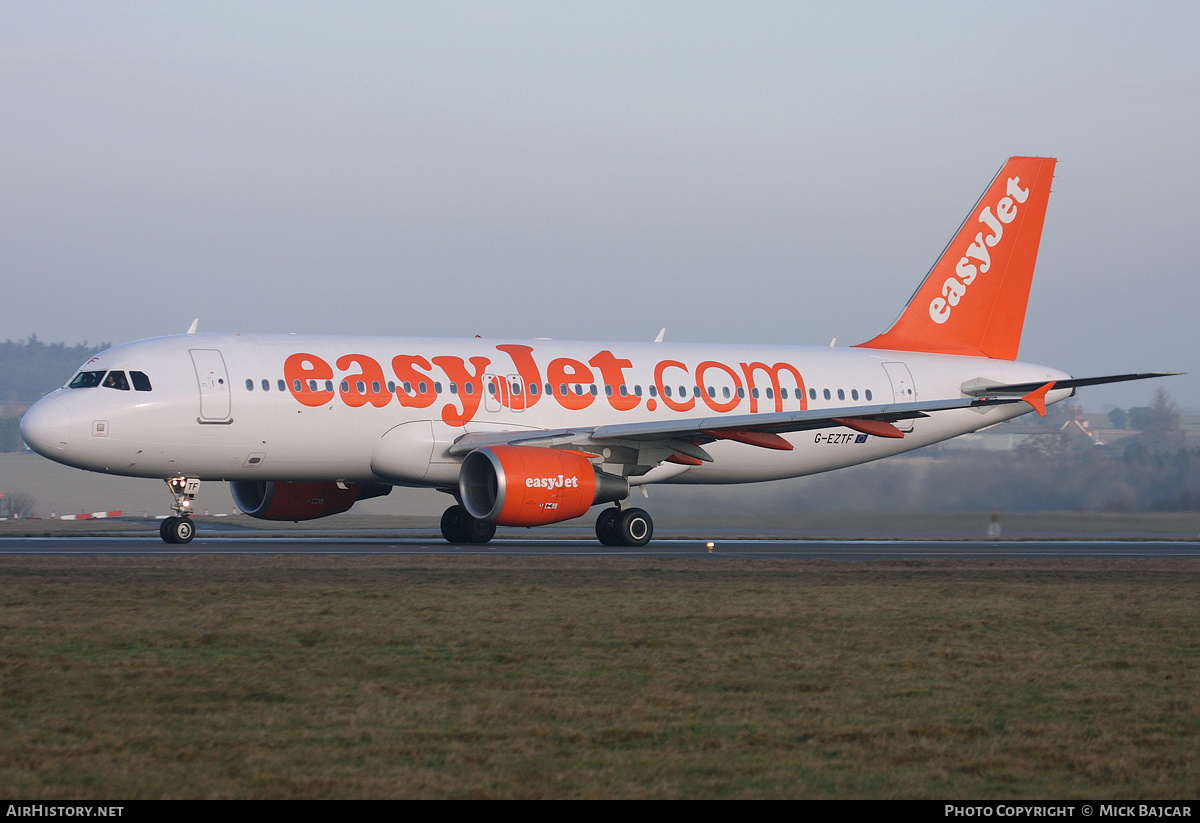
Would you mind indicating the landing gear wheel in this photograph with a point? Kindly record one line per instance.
(458, 526)
(634, 527)
(454, 524)
(479, 531)
(177, 530)
(606, 527)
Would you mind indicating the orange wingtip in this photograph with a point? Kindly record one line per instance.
(1037, 398)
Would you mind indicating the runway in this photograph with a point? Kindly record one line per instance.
(771, 549)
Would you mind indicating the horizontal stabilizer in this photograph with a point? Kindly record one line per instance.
(986, 388)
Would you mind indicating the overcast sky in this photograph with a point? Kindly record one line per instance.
(742, 172)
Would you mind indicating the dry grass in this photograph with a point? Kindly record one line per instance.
(475, 677)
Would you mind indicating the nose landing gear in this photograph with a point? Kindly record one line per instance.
(179, 528)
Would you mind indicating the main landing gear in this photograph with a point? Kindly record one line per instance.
(624, 527)
(179, 527)
(458, 526)
(614, 527)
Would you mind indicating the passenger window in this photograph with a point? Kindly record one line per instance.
(469, 388)
(854, 394)
(666, 391)
(533, 389)
(140, 381)
(391, 387)
(283, 386)
(770, 394)
(346, 386)
(783, 394)
(637, 390)
(868, 394)
(827, 396)
(741, 393)
(297, 386)
(841, 394)
(266, 383)
(725, 392)
(754, 392)
(654, 391)
(116, 380)
(812, 394)
(562, 389)
(375, 387)
(437, 387)
(453, 387)
(361, 385)
(592, 389)
(249, 384)
(328, 385)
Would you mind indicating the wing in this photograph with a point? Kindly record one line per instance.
(682, 440)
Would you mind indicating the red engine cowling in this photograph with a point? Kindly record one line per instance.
(300, 500)
(526, 486)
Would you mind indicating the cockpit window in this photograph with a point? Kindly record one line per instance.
(140, 381)
(116, 380)
(86, 380)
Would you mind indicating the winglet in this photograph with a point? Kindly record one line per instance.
(973, 300)
(1037, 398)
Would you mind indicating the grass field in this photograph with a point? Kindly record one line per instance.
(489, 677)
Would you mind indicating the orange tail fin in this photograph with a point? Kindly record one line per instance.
(973, 300)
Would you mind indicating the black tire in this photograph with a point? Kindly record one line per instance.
(181, 530)
(454, 525)
(164, 530)
(635, 527)
(606, 527)
(479, 531)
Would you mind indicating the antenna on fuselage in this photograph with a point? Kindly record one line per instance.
(192, 328)
(659, 339)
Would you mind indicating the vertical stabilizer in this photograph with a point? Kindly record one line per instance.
(973, 300)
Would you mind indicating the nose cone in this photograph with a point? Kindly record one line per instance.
(46, 427)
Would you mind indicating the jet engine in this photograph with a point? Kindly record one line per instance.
(300, 500)
(528, 486)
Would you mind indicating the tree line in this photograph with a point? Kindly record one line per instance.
(32, 368)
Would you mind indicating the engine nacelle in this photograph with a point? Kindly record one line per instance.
(300, 500)
(527, 486)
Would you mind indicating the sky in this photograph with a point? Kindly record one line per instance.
(782, 173)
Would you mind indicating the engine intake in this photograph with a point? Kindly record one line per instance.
(527, 486)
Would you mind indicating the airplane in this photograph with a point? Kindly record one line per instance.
(526, 433)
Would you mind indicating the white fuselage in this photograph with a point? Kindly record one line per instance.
(291, 407)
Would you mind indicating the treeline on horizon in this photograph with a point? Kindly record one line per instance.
(32, 368)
